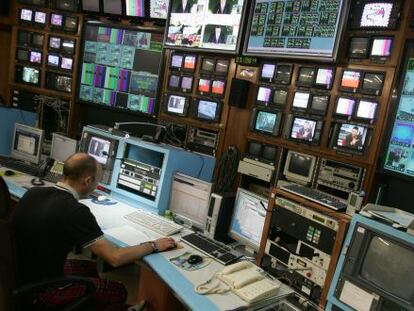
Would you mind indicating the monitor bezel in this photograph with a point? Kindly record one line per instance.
(217, 116)
(376, 92)
(296, 177)
(186, 104)
(364, 56)
(23, 157)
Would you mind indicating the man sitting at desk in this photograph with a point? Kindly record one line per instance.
(49, 222)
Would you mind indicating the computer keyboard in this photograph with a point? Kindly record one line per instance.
(154, 222)
(217, 250)
(316, 196)
(18, 165)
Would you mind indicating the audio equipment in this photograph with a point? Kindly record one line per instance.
(239, 91)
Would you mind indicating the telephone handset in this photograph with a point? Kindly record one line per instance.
(44, 167)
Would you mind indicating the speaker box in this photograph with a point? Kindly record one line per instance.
(4, 7)
(238, 93)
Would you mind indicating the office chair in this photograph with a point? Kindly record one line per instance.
(14, 297)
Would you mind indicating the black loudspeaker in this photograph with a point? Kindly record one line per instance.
(238, 93)
(4, 7)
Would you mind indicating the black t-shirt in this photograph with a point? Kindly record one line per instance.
(47, 224)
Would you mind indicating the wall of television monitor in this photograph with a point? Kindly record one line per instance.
(196, 93)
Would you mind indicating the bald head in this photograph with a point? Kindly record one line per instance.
(80, 165)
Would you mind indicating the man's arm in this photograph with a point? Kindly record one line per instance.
(120, 256)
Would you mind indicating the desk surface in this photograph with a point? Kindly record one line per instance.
(110, 219)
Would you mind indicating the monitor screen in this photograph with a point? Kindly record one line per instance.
(265, 121)
(71, 23)
(31, 75)
(91, 6)
(174, 82)
(376, 15)
(35, 57)
(27, 143)
(62, 147)
(112, 7)
(301, 100)
(248, 218)
(208, 64)
(320, 103)
(66, 5)
(37, 39)
(299, 167)
(23, 37)
(372, 83)
(269, 153)
(268, 71)
(135, 8)
(99, 149)
(205, 25)
(381, 47)
(303, 129)
(324, 77)
(280, 97)
(56, 20)
(254, 149)
(68, 45)
(26, 15)
(367, 109)
(283, 73)
(345, 106)
(263, 94)
(218, 87)
(22, 55)
(186, 83)
(351, 79)
(159, 9)
(190, 62)
(204, 85)
(222, 66)
(40, 17)
(54, 42)
(177, 61)
(207, 110)
(295, 29)
(120, 68)
(389, 266)
(177, 104)
(66, 63)
(53, 60)
(351, 136)
(62, 83)
(358, 47)
(306, 75)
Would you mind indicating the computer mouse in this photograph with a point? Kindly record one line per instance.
(102, 198)
(194, 259)
(37, 182)
(9, 173)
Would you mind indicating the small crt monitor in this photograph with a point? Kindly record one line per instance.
(190, 62)
(351, 80)
(37, 40)
(56, 20)
(28, 75)
(66, 63)
(27, 143)
(222, 66)
(176, 104)
(351, 137)
(306, 76)
(174, 82)
(269, 154)
(62, 147)
(376, 14)
(358, 47)
(263, 95)
(53, 60)
(90, 6)
(381, 47)
(186, 83)
(344, 106)
(99, 149)
(68, 46)
(299, 167)
(324, 77)
(159, 9)
(176, 61)
(22, 55)
(218, 87)
(59, 82)
(71, 24)
(65, 5)
(35, 57)
(207, 110)
(283, 73)
(266, 121)
(303, 129)
(254, 149)
(319, 104)
(248, 218)
(204, 85)
(267, 72)
(26, 15)
(112, 7)
(23, 37)
(40, 18)
(366, 109)
(208, 65)
(55, 43)
(134, 8)
(301, 100)
(279, 97)
(372, 83)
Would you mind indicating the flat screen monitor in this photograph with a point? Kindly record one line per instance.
(254, 149)
(37, 39)
(208, 64)
(66, 63)
(55, 43)
(222, 66)
(186, 83)
(280, 97)
(351, 80)
(263, 95)
(120, 68)
(266, 121)
(135, 8)
(35, 57)
(218, 87)
(376, 14)
(53, 60)
(303, 129)
(92, 6)
(381, 47)
(324, 77)
(204, 85)
(299, 167)
(22, 55)
(358, 47)
(345, 106)
(56, 20)
(283, 73)
(306, 76)
(190, 62)
(40, 17)
(366, 109)
(62, 147)
(202, 26)
(27, 143)
(207, 110)
(267, 71)
(177, 105)
(301, 100)
(174, 82)
(248, 218)
(26, 15)
(319, 104)
(372, 83)
(305, 30)
(351, 137)
(112, 7)
(159, 9)
(99, 149)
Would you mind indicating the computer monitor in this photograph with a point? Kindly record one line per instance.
(189, 201)
(176, 61)
(55, 42)
(37, 39)
(174, 82)
(99, 149)
(269, 154)
(71, 24)
(68, 46)
(62, 147)
(27, 143)
(376, 14)
(27, 75)
(35, 57)
(56, 20)
(26, 15)
(53, 60)
(248, 218)
(358, 47)
(22, 55)
(299, 167)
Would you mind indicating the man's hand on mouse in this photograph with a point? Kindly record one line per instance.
(164, 244)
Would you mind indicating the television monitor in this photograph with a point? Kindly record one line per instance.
(135, 8)
(53, 60)
(190, 62)
(378, 15)
(283, 73)
(177, 104)
(304, 129)
(158, 9)
(39, 3)
(66, 63)
(324, 77)
(351, 137)
(62, 147)
(120, 67)
(56, 20)
(372, 83)
(22, 55)
(381, 47)
(254, 149)
(280, 97)
(319, 104)
(26, 15)
(37, 39)
(306, 76)
(91, 6)
(65, 5)
(351, 80)
(99, 149)
(198, 26)
(208, 64)
(299, 167)
(112, 7)
(269, 154)
(301, 100)
(204, 85)
(366, 109)
(218, 87)
(40, 17)
(278, 29)
(248, 218)
(222, 66)
(345, 106)
(23, 37)
(176, 61)
(55, 43)
(68, 46)
(71, 24)
(27, 143)
(267, 71)
(207, 110)
(263, 95)
(27, 75)
(186, 83)
(60, 82)
(358, 47)
(266, 121)
(174, 82)
(35, 57)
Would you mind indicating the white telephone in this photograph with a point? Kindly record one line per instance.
(248, 281)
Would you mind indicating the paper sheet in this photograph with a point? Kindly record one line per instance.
(356, 297)
(130, 235)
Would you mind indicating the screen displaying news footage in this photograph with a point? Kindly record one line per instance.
(120, 68)
(400, 153)
(205, 24)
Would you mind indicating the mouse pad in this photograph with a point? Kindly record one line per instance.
(181, 261)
